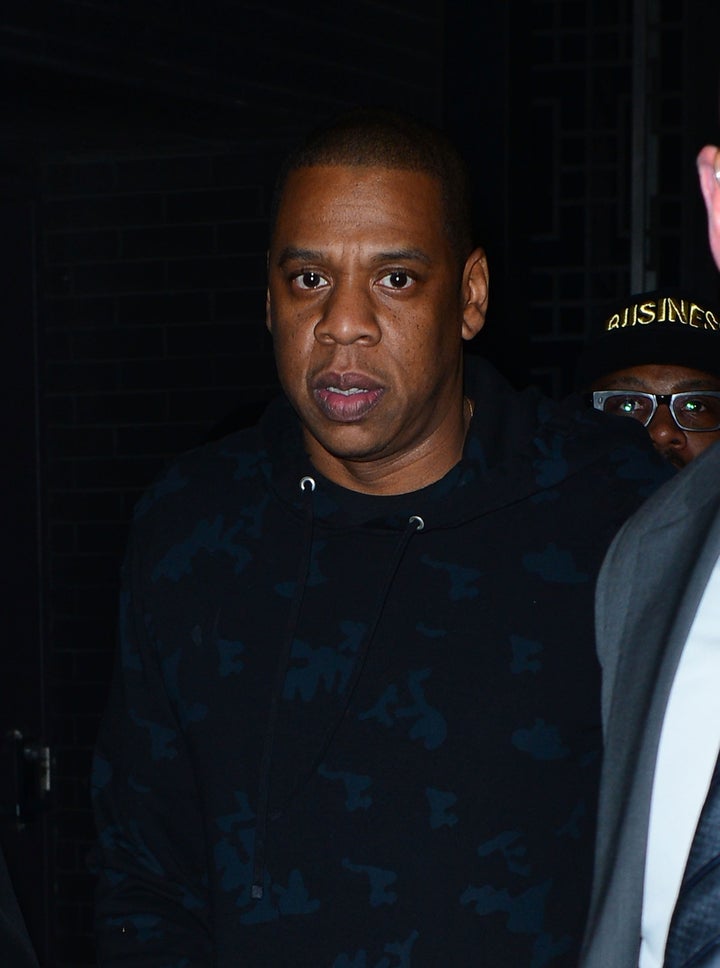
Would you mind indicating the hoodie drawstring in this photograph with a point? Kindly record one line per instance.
(414, 524)
(307, 486)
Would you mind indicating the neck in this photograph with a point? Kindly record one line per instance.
(403, 471)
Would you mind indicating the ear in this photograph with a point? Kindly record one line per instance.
(268, 310)
(475, 288)
(708, 163)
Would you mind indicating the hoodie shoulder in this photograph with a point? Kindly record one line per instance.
(559, 438)
(204, 474)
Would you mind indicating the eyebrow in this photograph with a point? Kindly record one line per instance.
(696, 385)
(410, 255)
(296, 254)
(682, 386)
(293, 254)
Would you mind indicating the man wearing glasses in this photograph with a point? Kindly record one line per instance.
(657, 360)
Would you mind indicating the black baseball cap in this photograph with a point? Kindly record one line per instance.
(662, 327)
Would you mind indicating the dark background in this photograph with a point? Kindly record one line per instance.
(138, 144)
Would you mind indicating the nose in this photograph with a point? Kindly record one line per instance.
(664, 432)
(348, 316)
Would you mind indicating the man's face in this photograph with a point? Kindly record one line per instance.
(368, 307)
(678, 446)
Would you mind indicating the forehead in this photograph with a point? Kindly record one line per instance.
(658, 378)
(333, 202)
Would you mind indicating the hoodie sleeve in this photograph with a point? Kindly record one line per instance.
(152, 906)
(15, 946)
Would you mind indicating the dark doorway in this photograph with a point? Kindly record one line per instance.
(24, 750)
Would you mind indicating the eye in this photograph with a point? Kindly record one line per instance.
(397, 279)
(309, 280)
(697, 411)
(638, 406)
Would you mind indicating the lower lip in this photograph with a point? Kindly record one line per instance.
(347, 408)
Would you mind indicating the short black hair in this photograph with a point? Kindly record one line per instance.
(376, 136)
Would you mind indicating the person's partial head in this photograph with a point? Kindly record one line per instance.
(380, 138)
(372, 287)
(657, 360)
(708, 163)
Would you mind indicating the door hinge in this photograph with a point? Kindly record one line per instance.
(26, 767)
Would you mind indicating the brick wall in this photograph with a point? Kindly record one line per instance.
(582, 163)
(579, 235)
(153, 294)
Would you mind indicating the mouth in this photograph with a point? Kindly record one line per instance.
(346, 397)
(673, 458)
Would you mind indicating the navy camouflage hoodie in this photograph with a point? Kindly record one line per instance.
(363, 732)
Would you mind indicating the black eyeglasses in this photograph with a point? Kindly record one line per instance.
(693, 410)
